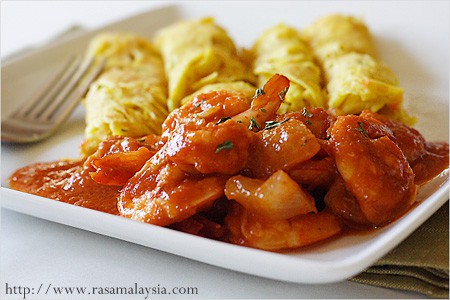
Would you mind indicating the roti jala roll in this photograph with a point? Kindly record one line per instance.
(197, 53)
(129, 97)
(280, 49)
(335, 35)
(357, 82)
(355, 78)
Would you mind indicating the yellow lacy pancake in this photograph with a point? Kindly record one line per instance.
(355, 78)
(280, 49)
(197, 53)
(129, 97)
(334, 35)
(357, 82)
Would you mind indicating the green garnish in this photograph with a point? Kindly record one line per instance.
(253, 124)
(273, 124)
(200, 103)
(227, 145)
(306, 113)
(308, 122)
(259, 92)
(263, 110)
(362, 129)
(223, 120)
(283, 93)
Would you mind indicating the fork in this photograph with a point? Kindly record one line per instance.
(44, 113)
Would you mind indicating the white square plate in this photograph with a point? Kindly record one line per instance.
(417, 51)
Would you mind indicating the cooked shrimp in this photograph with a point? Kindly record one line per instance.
(431, 163)
(408, 139)
(344, 204)
(315, 173)
(200, 139)
(219, 106)
(163, 194)
(214, 148)
(286, 145)
(277, 198)
(118, 158)
(275, 214)
(373, 167)
(265, 104)
(249, 229)
(211, 107)
(316, 119)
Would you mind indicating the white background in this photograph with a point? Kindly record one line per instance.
(35, 251)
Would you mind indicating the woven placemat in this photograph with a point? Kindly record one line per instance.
(419, 264)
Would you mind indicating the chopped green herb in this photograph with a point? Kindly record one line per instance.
(253, 124)
(223, 120)
(227, 145)
(259, 92)
(123, 129)
(362, 129)
(283, 93)
(273, 124)
(200, 103)
(141, 140)
(308, 122)
(306, 113)
(263, 110)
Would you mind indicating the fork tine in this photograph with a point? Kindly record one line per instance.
(36, 102)
(76, 94)
(25, 127)
(70, 84)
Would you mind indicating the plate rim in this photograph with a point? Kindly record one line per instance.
(325, 271)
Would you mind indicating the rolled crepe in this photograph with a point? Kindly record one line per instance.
(280, 49)
(129, 97)
(358, 81)
(197, 53)
(335, 35)
(355, 79)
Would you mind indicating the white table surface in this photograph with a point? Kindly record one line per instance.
(37, 252)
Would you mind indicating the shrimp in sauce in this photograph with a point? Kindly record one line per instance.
(229, 168)
(187, 174)
(373, 167)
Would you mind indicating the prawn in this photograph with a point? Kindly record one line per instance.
(373, 167)
(408, 139)
(118, 158)
(284, 146)
(278, 197)
(275, 214)
(252, 230)
(206, 141)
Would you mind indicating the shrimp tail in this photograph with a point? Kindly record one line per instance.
(274, 91)
(265, 103)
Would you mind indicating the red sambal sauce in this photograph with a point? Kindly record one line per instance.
(434, 159)
(96, 184)
(70, 182)
(66, 181)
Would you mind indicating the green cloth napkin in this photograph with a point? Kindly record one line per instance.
(418, 264)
